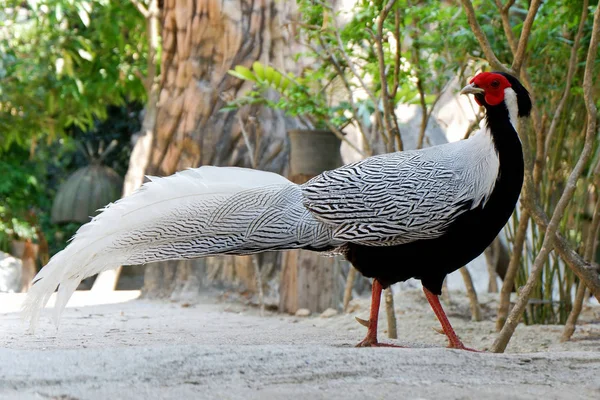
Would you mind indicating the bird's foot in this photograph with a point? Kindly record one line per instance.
(455, 343)
(461, 346)
(458, 345)
(370, 342)
(371, 339)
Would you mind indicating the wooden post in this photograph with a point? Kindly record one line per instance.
(310, 281)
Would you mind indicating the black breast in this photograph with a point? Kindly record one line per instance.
(431, 260)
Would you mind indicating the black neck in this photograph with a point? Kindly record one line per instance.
(510, 154)
(505, 137)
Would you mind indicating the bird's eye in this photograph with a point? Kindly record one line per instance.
(495, 83)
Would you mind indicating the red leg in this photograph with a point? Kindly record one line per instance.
(371, 339)
(454, 341)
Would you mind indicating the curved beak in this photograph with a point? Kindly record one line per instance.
(471, 89)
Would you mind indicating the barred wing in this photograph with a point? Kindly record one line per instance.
(392, 199)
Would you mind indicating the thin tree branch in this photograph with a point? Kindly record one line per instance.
(508, 282)
(482, 39)
(522, 72)
(471, 127)
(141, 8)
(342, 75)
(428, 114)
(512, 42)
(387, 131)
(388, 112)
(525, 32)
(586, 271)
(472, 294)
(391, 313)
(350, 63)
(508, 5)
(416, 61)
(574, 314)
(254, 257)
(424, 117)
(570, 73)
(247, 141)
(343, 138)
(348, 288)
(591, 245)
(259, 284)
(398, 55)
(513, 319)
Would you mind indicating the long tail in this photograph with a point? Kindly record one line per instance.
(194, 213)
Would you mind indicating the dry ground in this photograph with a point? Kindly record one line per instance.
(217, 349)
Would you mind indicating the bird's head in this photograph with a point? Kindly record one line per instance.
(493, 89)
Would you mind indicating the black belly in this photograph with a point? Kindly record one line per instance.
(427, 260)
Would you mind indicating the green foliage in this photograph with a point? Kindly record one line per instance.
(30, 181)
(70, 73)
(63, 61)
(23, 188)
(297, 98)
(341, 81)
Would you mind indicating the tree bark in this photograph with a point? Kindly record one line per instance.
(202, 40)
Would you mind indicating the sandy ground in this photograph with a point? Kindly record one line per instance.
(115, 347)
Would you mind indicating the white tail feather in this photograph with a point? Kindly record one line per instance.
(94, 247)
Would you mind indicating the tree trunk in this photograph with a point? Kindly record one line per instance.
(201, 41)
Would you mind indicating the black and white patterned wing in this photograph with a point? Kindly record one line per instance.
(392, 199)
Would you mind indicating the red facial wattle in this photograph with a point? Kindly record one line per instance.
(494, 99)
(493, 84)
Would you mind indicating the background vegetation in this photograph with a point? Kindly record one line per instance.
(69, 73)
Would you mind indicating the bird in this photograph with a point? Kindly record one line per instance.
(409, 214)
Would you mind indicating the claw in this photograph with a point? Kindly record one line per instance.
(439, 330)
(363, 322)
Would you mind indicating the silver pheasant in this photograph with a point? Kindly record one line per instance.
(383, 201)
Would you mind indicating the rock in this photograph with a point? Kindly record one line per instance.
(302, 312)
(10, 273)
(330, 312)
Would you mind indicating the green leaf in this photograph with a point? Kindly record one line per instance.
(259, 70)
(269, 72)
(83, 14)
(243, 73)
(80, 87)
(58, 12)
(85, 55)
